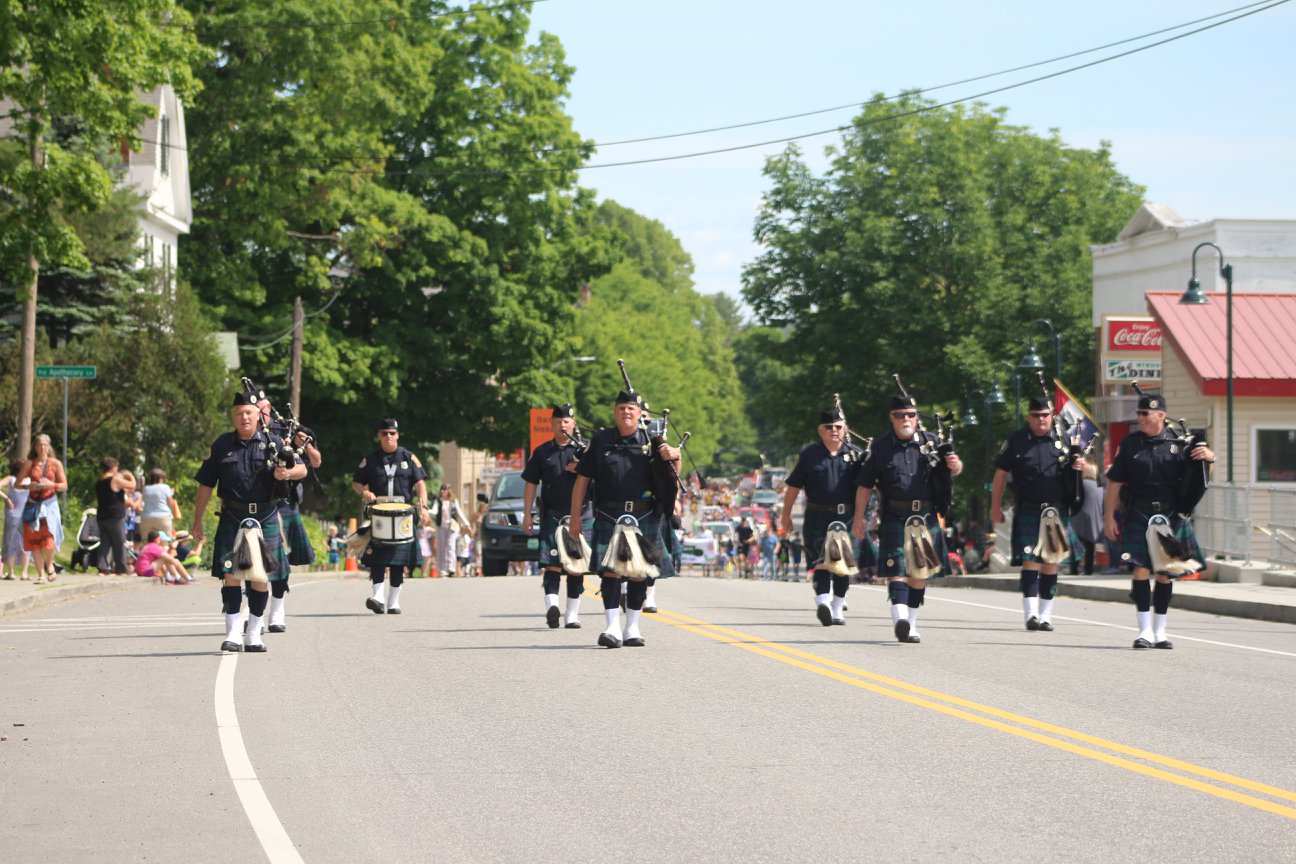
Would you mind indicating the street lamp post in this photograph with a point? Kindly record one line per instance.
(1032, 359)
(1194, 296)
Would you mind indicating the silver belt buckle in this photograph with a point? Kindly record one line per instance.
(252, 507)
(915, 505)
(841, 508)
(629, 506)
(1156, 505)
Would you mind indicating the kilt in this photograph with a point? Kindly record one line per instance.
(891, 557)
(814, 529)
(651, 526)
(227, 531)
(1133, 539)
(1025, 532)
(399, 555)
(300, 550)
(549, 527)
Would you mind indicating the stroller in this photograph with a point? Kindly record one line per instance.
(89, 542)
(83, 557)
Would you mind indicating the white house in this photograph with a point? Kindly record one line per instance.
(160, 172)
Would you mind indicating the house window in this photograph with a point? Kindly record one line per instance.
(1275, 451)
(164, 144)
(166, 269)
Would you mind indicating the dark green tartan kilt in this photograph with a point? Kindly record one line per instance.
(227, 530)
(300, 550)
(891, 557)
(549, 528)
(650, 525)
(1133, 539)
(814, 530)
(398, 555)
(1025, 532)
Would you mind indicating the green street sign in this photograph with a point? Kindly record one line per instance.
(65, 371)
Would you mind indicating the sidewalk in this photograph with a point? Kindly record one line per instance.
(1235, 599)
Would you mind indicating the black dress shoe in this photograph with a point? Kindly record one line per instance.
(1142, 643)
(634, 642)
(277, 628)
(395, 611)
(825, 615)
(650, 609)
(1032, 623)
(254, 649)
(607, 640)
(902, 630)
(1046, 626)
(914, 639)
(1164, 643)
(374, 606)
(572, 625)
(839, 621)
(551, 617)
(232, 647)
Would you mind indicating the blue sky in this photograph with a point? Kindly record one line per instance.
(1205, 123)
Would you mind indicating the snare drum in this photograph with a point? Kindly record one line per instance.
(391, 523)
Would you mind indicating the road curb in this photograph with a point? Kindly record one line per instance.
(57, 593)
(1120, 593)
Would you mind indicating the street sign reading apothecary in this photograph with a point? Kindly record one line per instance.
(66, 371)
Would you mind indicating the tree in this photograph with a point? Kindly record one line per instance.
(933, 240)
(83, 62)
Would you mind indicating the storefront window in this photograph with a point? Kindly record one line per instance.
(1276, 455)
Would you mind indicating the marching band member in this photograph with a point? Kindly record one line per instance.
(827, 472)
(911, 544)
(1149, 469)
(618, 461)
(242, 466)
(1035, 458)
(391, 471)
(552, 470)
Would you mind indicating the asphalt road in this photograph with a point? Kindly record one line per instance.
(465, 730)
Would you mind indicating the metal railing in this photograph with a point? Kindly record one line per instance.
(1282, 527)
(1223, 522)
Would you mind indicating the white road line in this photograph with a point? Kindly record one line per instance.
(269, 830)
(214, 625)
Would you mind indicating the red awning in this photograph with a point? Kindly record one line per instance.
(1264, 334)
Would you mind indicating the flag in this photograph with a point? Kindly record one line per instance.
(1073, 411)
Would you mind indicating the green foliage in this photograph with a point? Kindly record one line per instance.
(926, 249)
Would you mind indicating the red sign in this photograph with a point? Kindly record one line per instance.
(514, 461)
(541, 426)
(1133, 334)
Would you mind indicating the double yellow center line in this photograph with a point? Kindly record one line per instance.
(1059, 737)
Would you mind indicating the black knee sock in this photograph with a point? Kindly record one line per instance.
(1141, 594)
(1048, 585)
(376, 575)
(1161, 593)
(397, 577)
(650, 581)
(279, 587)
(611, 590)
(916, 596)
(635, 594)
(575, 587)
(898, 591)
(550, 581)
(231, 599)
(822, 582)
(840, 584)
(257, 601)
(1029, 583)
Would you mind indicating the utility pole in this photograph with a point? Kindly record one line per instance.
(299, 321)
(27, 368)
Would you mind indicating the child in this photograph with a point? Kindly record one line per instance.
(190, 556)
(155, 561)
(463, 552)
(335, 546)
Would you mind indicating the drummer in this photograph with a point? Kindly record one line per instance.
(392, 473)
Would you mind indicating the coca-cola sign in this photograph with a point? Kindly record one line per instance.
(1133, 334)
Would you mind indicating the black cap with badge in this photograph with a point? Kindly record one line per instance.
(386, 423)
(244, 398)
(630, 397)
(832, 415)
(1151, 402)
(900, 403)
(1039, 403)
(563, 411)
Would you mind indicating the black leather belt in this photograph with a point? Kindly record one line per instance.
(838, 509)
(634, 505)
(903, 507)
(247, 508)
(1147, 505)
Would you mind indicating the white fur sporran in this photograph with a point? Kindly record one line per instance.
(921, 560)
(1165, 552)
(572, 565)
(248, 557)
(625, 553)
(1052, 545)
(839, 551)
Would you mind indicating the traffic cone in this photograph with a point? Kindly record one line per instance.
(432, 570)
(351, 564)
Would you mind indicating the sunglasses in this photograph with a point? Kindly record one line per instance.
(386, 432)
(1143, 413)
(904, 415)
(832, 426)
(1040, 414)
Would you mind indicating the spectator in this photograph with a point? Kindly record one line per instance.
(42, 522)
(155, 561)
(336, 545)
(190, 556)
(134, 506)
(1088, 523)
(463, 552)
(15, 500)
(161, 511)
(448, 518)
(795, 546)
(957, 567)
(110, 498)
(783, 559)
(769, 546)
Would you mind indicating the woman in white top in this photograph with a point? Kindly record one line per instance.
(15, 499)
(160, 508)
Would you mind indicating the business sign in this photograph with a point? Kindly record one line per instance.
(1125, 369)
(66, 371)
(1130, 334)
(541, 426)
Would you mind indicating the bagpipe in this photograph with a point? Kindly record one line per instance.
(1194, 476)
(934, 451)
(1068, 438)
(289, 453)
(837, 406)
(667, 484)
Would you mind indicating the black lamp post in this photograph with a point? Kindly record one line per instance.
(1194, 296)
(1016, 372)
(1032, 359)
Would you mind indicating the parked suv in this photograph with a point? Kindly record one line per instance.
(501, 539)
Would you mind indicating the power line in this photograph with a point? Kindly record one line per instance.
(289, 332)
